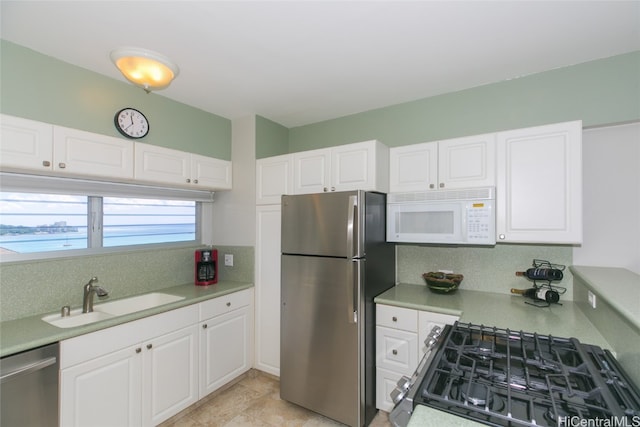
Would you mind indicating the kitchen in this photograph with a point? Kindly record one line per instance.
(254, 137)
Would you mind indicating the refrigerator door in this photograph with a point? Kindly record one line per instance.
(324, 224)
(320, 339)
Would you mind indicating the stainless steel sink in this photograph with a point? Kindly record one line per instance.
(111, 309)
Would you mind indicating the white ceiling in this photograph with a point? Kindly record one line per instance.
(300, 62)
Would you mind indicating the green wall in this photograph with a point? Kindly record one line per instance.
(43, 88)
(597, 92)
(272, 139)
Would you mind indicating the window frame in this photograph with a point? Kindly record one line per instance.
(95, 191)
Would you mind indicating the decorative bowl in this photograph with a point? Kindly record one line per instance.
(442, 283)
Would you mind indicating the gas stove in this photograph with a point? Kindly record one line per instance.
(512, 378)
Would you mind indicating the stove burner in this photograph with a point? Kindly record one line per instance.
(476, 394)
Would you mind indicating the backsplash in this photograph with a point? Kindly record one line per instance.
(488, 269)
(29, 288)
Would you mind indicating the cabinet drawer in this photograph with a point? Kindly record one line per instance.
(396, 350)
(397, 317)
(224, 304)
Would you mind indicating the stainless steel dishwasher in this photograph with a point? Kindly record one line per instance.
(29, 388)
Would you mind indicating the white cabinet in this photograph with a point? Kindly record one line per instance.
(267, 287)
(358, 166)
(88, 154)
(400, 335)
(539, 184)
(26, 144)
(161, 165)
(226, 339)
(274, 177)
(144, 371)
(169, 375)
(453, 163)
(38, 147)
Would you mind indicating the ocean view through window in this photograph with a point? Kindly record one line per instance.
(31, 222)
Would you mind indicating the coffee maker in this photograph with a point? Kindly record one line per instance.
(206, 267)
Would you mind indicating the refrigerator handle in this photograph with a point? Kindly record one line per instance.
(353, 284)
(351, 224)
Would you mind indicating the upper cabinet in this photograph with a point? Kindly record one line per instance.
(26, 144)
(89, 154)
(37, 147)
(358, 166)
(274, 177)
(40, 148)
(539, 184)
(453, 163)
(161, 165)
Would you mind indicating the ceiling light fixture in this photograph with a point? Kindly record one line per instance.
(145, 68)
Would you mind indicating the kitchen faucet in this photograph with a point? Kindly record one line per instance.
(87, 295)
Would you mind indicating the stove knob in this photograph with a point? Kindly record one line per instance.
(401, 390)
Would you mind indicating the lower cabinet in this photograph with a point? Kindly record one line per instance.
(143, 372)
(400, 335)
(226, 340)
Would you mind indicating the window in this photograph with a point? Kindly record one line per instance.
(33, 223)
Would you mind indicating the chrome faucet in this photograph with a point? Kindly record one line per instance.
(87, 294)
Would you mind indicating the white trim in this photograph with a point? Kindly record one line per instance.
(16, 182)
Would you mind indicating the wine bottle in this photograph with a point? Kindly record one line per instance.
(541, 274)
(543, 294)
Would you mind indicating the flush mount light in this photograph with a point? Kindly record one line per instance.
(145, 68)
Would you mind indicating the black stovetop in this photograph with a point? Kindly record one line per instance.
(503, 377)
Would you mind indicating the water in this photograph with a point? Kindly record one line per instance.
(113, 236)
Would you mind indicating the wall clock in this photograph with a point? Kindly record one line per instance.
(131, 123)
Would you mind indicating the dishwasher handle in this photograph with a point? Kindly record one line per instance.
(27, 369)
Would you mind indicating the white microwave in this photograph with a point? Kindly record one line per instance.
(457, 217)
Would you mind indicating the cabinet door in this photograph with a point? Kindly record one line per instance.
(162, 165)
(467, 162)
(211, 173)
(353, 167)
(274, 177)
(90, 154)
(413, 167)
(386, 382)
(103, 392)
(170, 375)
(267, 289)
(312, 171)
(25, 144)
(428, 320)
(539, 184)
(225, 345)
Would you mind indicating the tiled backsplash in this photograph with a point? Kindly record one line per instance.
(29, 288)
(489, 269)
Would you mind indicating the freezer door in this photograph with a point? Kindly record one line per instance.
(325, 224)
(319, 354)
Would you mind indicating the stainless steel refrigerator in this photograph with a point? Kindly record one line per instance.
(335, 260)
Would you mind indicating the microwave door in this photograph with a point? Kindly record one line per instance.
(426, 223)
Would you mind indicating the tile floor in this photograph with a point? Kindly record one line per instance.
(254, 400)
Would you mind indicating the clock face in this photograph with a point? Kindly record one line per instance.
(131, 123)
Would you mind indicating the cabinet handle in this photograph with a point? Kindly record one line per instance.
(394, 318)
(431, 186)
(195, 181)
(325, 189)
(442, 185)
(149, 346)
(228, 304)
(333, 188)
(46, 163)
(62, 165)
(502, 237)
(205, 326)
(395, 352)
(138, 350)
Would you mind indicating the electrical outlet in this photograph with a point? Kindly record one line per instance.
(228, 260)
(592, 299)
